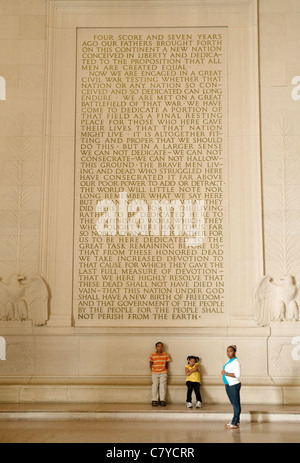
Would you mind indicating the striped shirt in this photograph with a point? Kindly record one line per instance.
(159, 362)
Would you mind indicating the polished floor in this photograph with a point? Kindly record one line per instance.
(145, 432)
(138, 423)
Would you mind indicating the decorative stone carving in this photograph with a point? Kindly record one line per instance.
(281, 361)
(276, 301)
(21, 301)
(284, 357)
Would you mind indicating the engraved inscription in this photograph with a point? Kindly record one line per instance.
(151, 177)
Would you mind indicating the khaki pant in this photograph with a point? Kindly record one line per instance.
(159, 386)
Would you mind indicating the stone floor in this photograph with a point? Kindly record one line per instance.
(145, 432)
(127, 423)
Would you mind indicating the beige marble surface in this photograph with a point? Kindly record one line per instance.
(253, 414)
(132, 423)
(146, 432)
(55, 362)
(143, 408)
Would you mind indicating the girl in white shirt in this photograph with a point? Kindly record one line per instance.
(231, 377)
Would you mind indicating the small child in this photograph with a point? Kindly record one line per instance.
(193, 381)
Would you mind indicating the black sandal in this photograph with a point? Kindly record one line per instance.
(154, 403)
(162, 403)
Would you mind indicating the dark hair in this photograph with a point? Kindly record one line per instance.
(193, 357)
(159, 342)
(233, 346)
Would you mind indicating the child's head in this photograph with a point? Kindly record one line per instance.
(159, 347)
(192, 359)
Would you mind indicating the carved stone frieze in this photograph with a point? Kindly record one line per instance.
(24, 301)
(276, 301)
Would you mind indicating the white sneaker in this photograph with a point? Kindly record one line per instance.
(189, 405)
(198, 404)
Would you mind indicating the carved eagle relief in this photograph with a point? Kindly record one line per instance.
(276, 301)
(24, 301)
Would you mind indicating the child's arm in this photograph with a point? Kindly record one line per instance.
(188, 372)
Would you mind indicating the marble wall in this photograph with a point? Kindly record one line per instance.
(63, 362)
(280, 113)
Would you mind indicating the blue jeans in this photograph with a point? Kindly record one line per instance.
(233, 393)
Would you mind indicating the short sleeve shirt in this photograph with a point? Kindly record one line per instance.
(195, 376)
(159, 362)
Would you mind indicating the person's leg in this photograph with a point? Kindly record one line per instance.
(233, 393)
(189, 386)
(197, 392)
(155, 384)
(163, 379)
(229, 394)
(236, 404)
